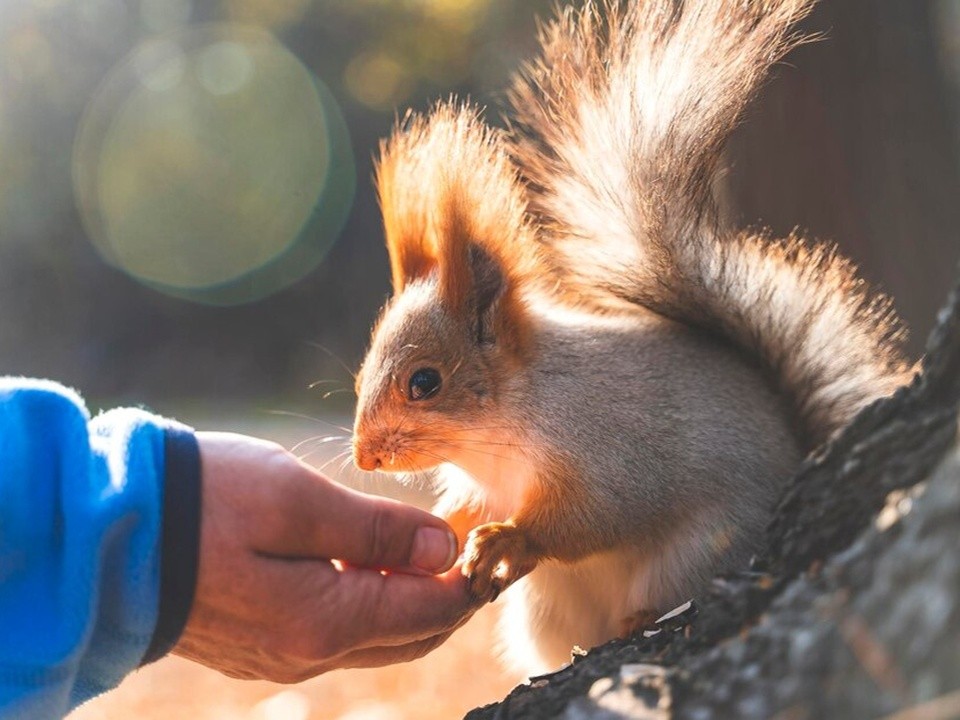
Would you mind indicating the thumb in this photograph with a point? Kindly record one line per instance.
(323, 519)
(377, 532)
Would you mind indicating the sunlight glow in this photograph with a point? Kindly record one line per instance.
(212, 165)
(451, 9)
(378, 80)
(285, 705)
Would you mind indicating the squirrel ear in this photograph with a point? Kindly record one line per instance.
(473, 281)
(489, 284)
(412, 250)
(410, 258)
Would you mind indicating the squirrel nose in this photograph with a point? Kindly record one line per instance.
(366, 460)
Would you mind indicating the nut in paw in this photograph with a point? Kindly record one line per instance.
(496, 555)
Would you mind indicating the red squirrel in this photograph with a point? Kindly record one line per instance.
(609, 383)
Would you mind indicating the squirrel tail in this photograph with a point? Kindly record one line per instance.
(618, 131)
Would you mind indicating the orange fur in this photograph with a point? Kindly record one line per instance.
(445, 184)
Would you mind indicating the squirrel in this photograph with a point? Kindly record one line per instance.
(610, 384)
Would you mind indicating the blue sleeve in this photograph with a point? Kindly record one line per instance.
(82, 522)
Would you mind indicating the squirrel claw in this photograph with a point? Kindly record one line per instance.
(496, 555)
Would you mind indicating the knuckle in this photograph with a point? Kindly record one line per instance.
(384, 535)
(377, 536)
(275, 453)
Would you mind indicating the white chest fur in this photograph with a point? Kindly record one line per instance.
(558, 606)
(491, 473)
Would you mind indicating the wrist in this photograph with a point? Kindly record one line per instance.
(180, 539)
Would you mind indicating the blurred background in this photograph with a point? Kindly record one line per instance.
(187, 220)
(186, 210)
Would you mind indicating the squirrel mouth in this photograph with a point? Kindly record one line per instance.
(366, 461)
(374, 457)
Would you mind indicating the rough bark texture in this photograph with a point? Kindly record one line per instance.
(855, 611)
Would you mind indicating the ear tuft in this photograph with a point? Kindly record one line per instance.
(489, 281)
(409, 260)
(410, 244)
(454, 207)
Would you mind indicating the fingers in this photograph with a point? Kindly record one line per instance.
(338, 612)
(381, 533)
(291, 510)
(380, 656)
(397, 609)
(324, 519)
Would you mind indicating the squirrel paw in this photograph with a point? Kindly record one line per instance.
(496, 555)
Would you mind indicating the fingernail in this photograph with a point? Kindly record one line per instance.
(434, 550)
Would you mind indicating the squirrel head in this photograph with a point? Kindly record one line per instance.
(456, 329)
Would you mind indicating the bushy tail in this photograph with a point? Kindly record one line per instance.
(619, 129)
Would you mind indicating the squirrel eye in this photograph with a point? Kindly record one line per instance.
(424, 383)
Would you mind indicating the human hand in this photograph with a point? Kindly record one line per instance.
(269, 602)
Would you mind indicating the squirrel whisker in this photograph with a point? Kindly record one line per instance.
(346, 453)
(319, 440)
(333, 355)
(311, 418)
(476, 451)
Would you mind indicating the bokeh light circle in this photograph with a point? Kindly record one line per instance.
(212, 165)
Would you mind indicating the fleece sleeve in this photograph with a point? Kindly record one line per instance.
(99, 521)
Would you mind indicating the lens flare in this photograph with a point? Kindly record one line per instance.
(213, 166)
